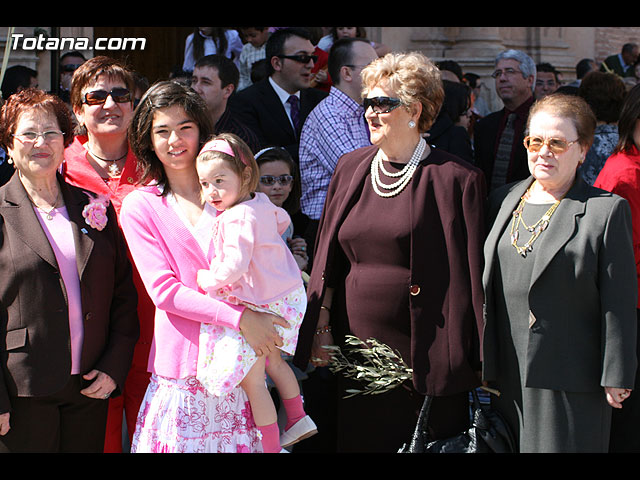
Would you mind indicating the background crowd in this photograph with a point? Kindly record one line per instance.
(497, 249)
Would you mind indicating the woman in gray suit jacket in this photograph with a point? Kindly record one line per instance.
(68, 321)
(560, 292)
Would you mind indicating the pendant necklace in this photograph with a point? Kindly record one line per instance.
(404, 175)
(48, 215)
(114, 170)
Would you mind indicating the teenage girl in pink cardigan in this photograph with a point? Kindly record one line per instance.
(168, 229)
(252, 266)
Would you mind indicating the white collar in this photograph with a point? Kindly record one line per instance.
(283, 95)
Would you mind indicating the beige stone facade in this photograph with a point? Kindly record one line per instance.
(474, 48)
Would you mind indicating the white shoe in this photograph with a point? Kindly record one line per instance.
(303, 428)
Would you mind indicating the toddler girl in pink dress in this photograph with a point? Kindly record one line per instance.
(252, 266)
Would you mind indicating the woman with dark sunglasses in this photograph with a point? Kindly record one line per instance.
(100, 160)
(560, 286)
(398, 259)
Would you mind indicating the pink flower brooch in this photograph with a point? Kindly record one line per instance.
(95, 212)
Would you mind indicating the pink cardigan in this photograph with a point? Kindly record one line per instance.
(168, 257)
(251, 255)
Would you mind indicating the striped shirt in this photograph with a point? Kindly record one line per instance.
(335, 127)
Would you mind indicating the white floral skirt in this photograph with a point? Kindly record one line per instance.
(180, 416)
(225, 357)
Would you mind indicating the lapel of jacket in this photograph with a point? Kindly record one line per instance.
(17, 211)
(505, 212)
(75, 201)
(275, 109)
(561, 227)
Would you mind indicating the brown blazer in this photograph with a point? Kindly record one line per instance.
(447, 210)
(35, 356)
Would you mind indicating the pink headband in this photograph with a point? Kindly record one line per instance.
(219, 145)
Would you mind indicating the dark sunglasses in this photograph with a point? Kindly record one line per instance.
(303, 58)
(381, 104)
(70, 67)
(98, 97)
(269, 180)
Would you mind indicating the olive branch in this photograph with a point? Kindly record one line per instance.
(373, 363)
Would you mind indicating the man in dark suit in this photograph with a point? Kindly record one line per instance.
(505, 162)
(622, 63)
(275, 108)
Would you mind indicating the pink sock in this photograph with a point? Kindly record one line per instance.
(295, 410)
(270, 438)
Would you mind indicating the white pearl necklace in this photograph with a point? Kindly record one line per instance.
(404, 175)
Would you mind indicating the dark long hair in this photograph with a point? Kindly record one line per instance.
(219, 38)
(629, 115)
(279, 154)
(163, 94)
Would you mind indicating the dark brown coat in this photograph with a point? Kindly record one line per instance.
(35, 355)
(447, 210)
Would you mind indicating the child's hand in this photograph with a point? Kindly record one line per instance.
(298, 247)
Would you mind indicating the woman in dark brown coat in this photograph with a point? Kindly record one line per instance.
(403, 264)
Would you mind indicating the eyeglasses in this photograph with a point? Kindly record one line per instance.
(509, 72)
(98, 97)
(557, 146)
(302, 58)
(381, 104)
(270, 180)
(32, 137)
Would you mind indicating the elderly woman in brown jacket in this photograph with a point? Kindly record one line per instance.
(68, 320)
(399, 259)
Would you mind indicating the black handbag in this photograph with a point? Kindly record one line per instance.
(488, 433)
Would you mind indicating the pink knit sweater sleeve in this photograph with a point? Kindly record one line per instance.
(168, 270)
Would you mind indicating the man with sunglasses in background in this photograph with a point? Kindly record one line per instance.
(275, 108)
(335, 127)
(69, 62)
(498, 137)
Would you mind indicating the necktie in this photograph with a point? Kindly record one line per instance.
(294, 102)
(503, 155)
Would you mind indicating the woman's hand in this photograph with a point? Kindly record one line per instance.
(102, 386)
(258, 329)
(615, 396)
(320, 356)
(4, 423)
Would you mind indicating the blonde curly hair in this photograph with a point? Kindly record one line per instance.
(413, 77)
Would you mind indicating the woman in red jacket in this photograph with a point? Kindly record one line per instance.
(621, 175)
(99, 159)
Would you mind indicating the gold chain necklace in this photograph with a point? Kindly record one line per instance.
(536, 229)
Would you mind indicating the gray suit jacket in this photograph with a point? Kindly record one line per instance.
(582, 294)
